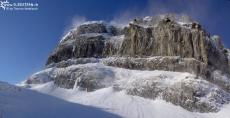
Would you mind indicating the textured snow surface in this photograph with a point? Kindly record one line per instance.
(17, 102)
(45, 100)
(127, 106)
(118, 102)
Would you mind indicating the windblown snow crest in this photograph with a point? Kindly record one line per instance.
(167, 57)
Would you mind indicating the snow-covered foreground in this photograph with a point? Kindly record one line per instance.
(17, 102)
(118, 102)
(45, 99)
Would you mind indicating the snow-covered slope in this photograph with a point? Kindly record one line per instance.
(118, 102)
(118, 85)
(194, 94)
(16, 102)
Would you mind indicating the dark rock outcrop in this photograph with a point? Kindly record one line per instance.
(167, 63)
(87, 40)
(82, 46)
(190, 94)
(92, 28)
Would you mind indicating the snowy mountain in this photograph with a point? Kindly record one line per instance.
(154, 67)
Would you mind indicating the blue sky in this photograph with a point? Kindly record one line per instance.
(27, 37)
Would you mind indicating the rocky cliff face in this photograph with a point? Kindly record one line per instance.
(144, 37)
(91, 39)
(171, 38)
(166, 42)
